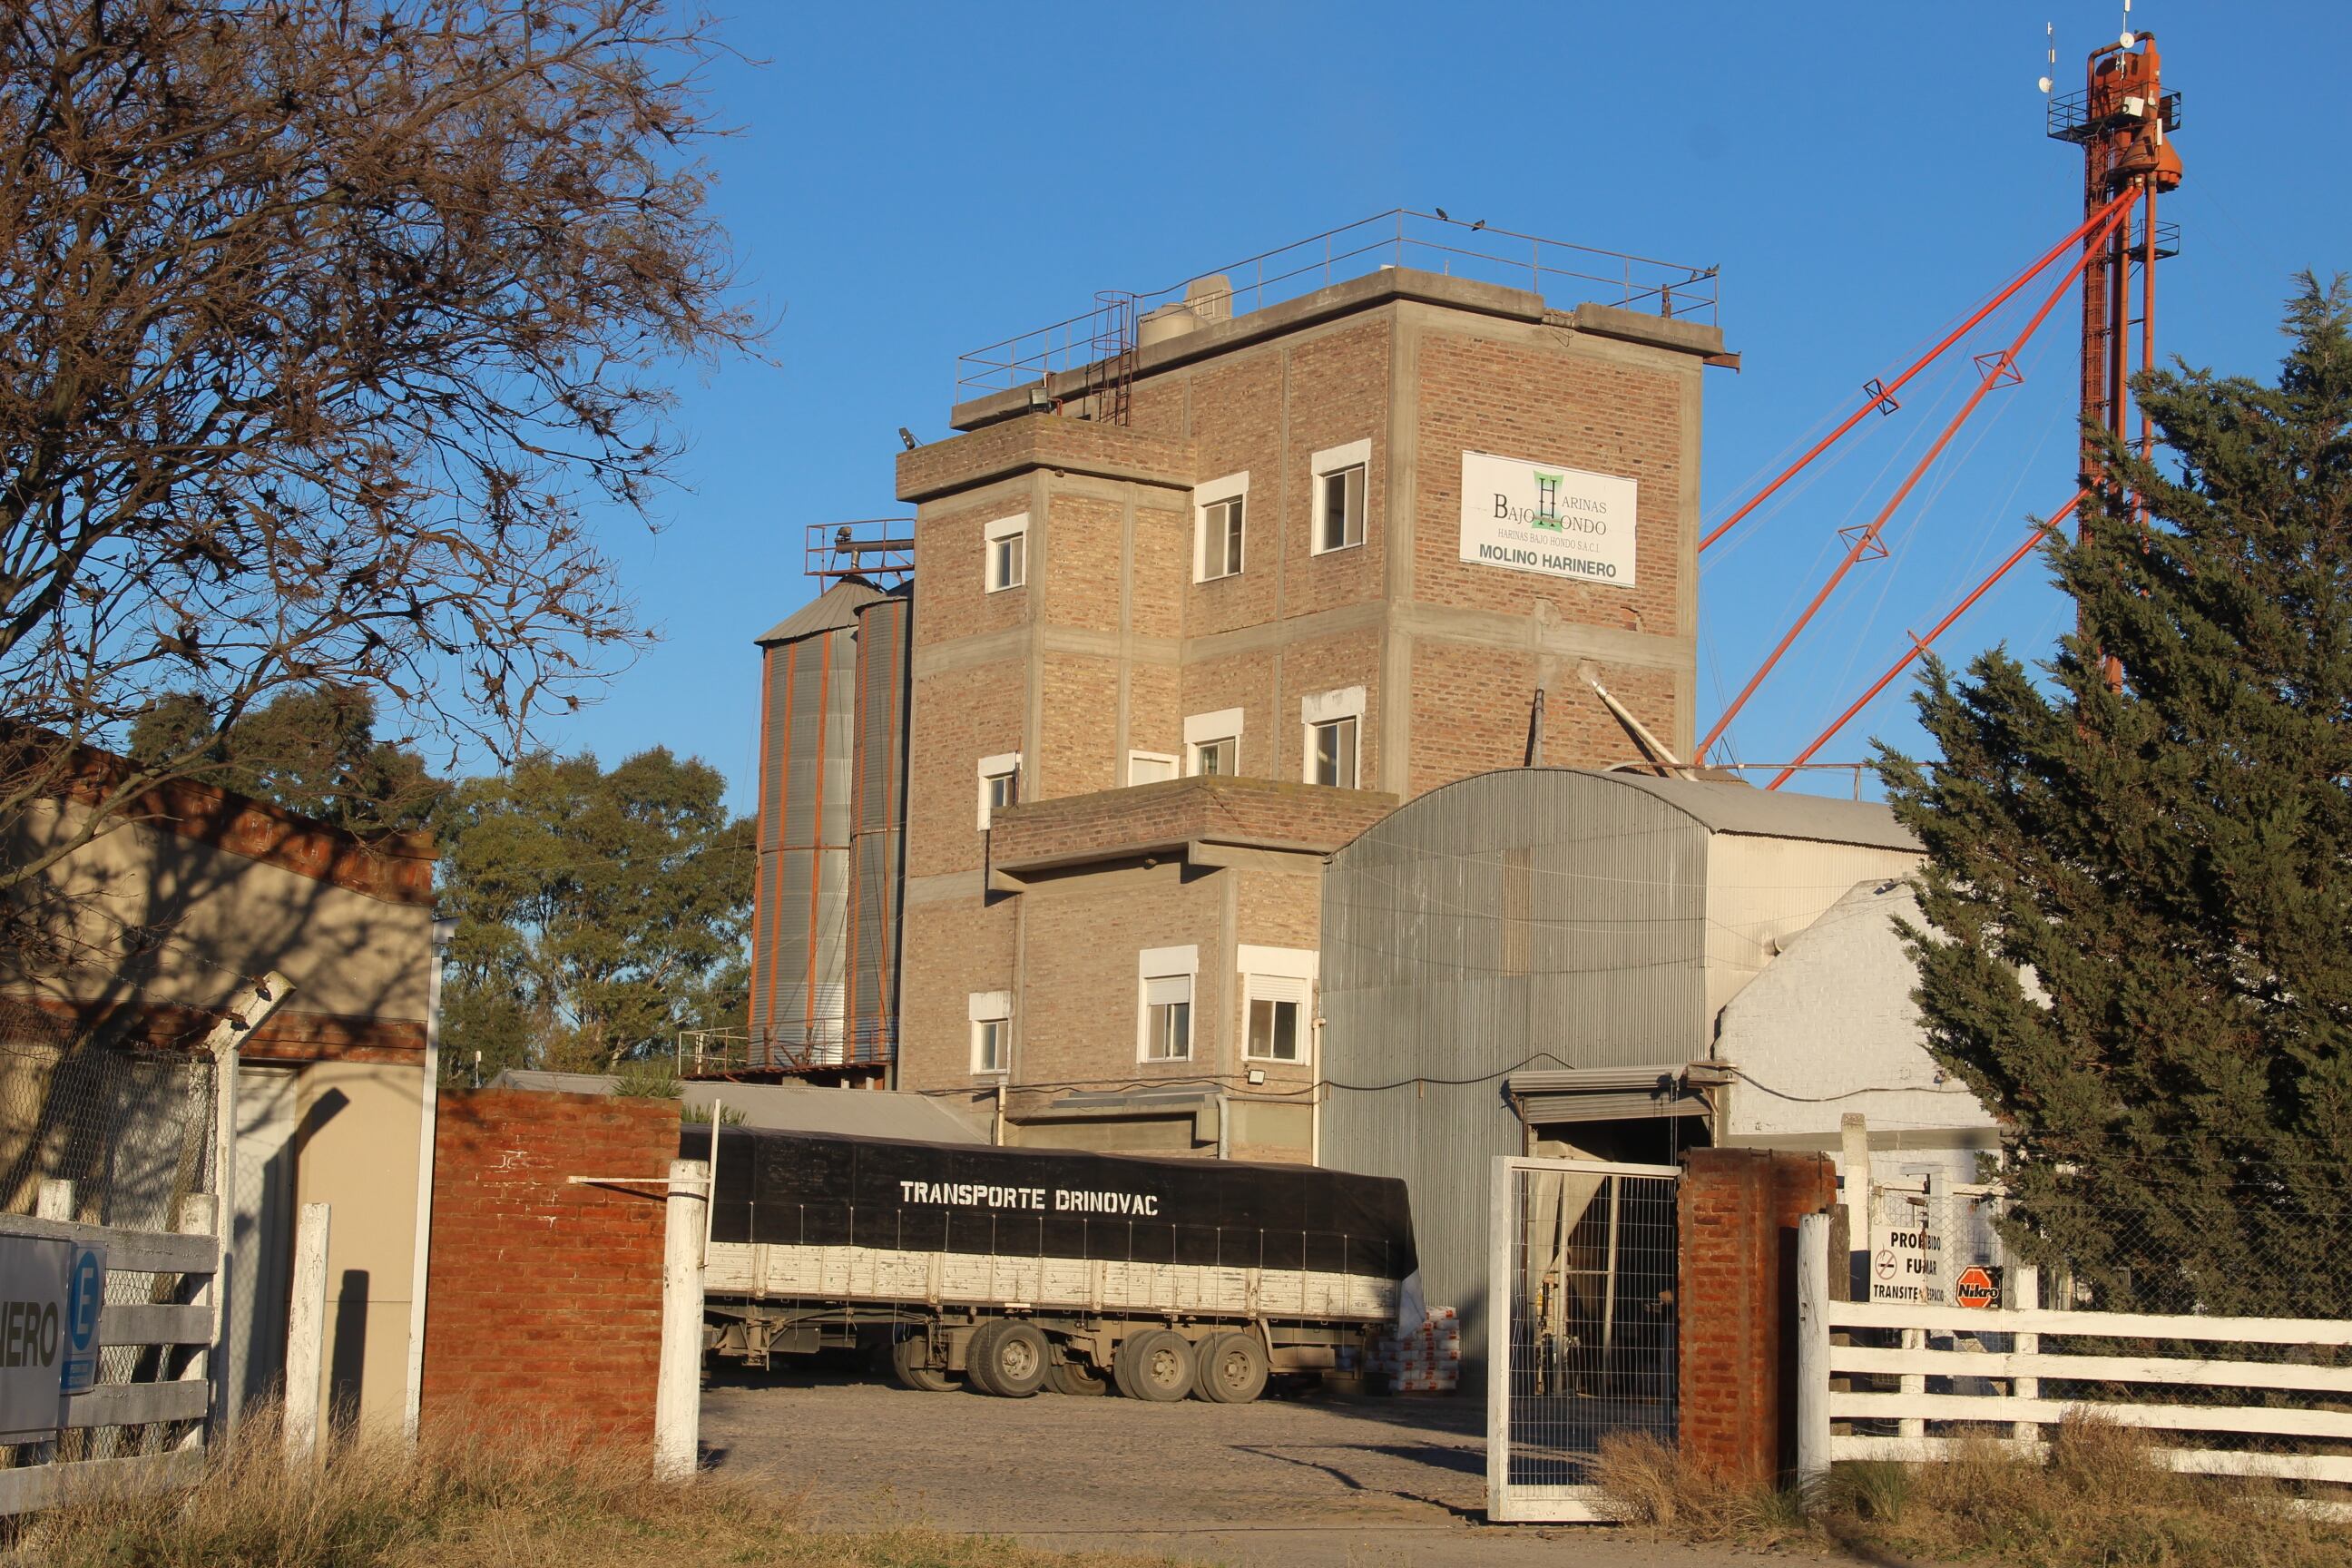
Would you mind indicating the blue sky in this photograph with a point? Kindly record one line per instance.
(909, 183)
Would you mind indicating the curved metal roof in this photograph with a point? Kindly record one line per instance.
(1718, 807)
(1722, 807)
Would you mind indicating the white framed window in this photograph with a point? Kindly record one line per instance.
(992, 1030)
(1000, 784)
(1008, 552)
(1219, 527)
(1338, 502)
(1330, 722)
(1149, 767)
(1212, 743)
(1165, 978)
(1277, 986)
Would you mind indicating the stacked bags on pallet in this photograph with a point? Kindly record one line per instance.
(1426, 1361)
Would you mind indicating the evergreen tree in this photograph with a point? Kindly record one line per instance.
(598, 911)
(315, 752)
(2139, 951)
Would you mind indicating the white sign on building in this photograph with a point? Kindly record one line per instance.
(1539, 517)
(34, 1340)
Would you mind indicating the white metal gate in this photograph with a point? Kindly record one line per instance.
(1579, 1327)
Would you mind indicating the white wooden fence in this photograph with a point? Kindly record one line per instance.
(165, 1448)
(2018, 1417)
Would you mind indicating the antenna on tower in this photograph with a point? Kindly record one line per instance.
(2126, 41)
(2050, 31)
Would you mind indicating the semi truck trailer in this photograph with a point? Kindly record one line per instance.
(1015, 1270)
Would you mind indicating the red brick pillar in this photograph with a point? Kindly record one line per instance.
(544, 1303)
(1738, 1296)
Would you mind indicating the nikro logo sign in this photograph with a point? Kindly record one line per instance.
(1538, 517)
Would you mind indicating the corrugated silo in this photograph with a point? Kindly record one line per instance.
(808, 743)
(878, 829)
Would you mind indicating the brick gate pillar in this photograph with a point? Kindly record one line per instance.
(1737, 1309)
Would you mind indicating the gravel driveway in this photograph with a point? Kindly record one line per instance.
(1295, 1483)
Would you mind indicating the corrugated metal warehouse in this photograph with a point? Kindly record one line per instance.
(1534, 960)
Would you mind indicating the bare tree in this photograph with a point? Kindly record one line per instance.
(325, 321)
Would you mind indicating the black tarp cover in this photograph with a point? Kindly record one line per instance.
(826, 1189)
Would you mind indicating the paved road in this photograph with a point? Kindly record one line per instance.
(1282, 1483)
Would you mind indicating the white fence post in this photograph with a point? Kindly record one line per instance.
(2025, 1295)
(677, 1399)
(305, 1335)
(197, 1212)
(1813, 1348)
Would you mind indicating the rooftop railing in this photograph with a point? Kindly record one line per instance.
(1401, 237)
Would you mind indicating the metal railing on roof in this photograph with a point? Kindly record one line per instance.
(1401, 238)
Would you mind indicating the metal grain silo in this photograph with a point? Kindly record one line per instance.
(877, 828)
(807, 763)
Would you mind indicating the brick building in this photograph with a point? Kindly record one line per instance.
(1188, 621)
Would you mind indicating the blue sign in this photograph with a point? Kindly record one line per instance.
(85, 1296)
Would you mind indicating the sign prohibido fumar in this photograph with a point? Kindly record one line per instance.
(1541, 518)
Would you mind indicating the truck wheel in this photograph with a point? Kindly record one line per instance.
(976, 1357)
(1076, 1377)
(1233, 1369)
(910, 1363)
(1010, 1362)
(1162, 1369)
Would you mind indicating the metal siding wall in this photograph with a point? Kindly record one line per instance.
(797, 1007)
(878, 831)
(1416, 987)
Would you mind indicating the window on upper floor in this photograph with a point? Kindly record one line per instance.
(1219, 758)
(1277, 1002)
(1000, 784)
(1168, 1018)
(1330, 723)
(1149, 767)
(1219, 529)
(1212, 743)
(1331, 752)
(1339, 498)
(1164, 1019)
(1008, 552)
(992, 1030)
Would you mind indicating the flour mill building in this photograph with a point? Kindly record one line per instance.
(1190, 614)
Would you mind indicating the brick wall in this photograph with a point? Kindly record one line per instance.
(545, 1307)
(1738, 1303)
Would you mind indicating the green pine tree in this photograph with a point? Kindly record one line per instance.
(2139, 951)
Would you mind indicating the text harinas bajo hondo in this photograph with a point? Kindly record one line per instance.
(1054, 1200)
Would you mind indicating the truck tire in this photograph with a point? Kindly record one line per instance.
(1073, 1376)
(910, 1365)
(975, 1356)
(1233, 1369)
(1161, 1365)
(1009, 1358)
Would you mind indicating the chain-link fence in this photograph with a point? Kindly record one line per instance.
(2136, 1266)
(131, 1128)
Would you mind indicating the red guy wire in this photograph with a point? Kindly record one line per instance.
(1922, 363)
(1919, 645)
(2004, 367)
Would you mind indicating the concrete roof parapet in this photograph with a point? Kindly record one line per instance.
(1044, 440)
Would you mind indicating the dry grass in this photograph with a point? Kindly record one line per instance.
(2097, 1501)
(469, 1501)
